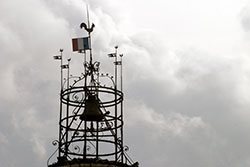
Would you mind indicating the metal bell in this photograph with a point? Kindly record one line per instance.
(92, 110)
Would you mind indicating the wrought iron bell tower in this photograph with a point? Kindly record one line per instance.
(91, 112)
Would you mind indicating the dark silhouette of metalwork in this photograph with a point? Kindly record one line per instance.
(89, 30)
(91, 113)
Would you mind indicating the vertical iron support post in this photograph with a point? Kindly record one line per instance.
(122, 153)
(67, 115)
(116, 143)
(60, 114)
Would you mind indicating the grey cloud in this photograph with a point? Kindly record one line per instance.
(208, 89)
(245, 18)
(29, 96)
(184, 107)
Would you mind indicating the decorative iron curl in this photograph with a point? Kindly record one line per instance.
(78, 96)
(77, 149)
(88, 147)
(55, 142)
(126, 148)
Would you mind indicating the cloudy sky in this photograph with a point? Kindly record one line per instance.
(186, 77)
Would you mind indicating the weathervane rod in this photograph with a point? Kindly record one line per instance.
(88, 15)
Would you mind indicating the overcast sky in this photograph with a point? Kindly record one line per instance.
(186, 77)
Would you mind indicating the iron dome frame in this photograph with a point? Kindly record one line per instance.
(87, 141)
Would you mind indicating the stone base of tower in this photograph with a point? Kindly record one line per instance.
(91, 163)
